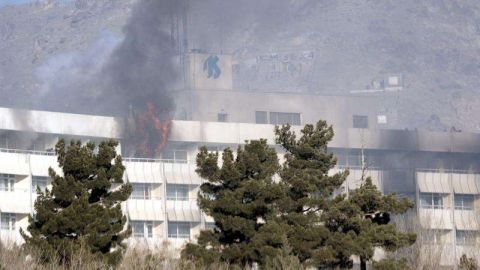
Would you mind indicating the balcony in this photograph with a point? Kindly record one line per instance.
(143, 171)
(10, 238)
(17, 201)
(466, 220)
(436, 218)
(187, 210)
(181, 173)
(144, 209)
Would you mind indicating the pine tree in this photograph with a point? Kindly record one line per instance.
(82, 210)
(240, 196)
(309, 188)
(324, 230)
(368, 220)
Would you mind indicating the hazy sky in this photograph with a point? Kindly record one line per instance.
(13, 2)
(16, 2)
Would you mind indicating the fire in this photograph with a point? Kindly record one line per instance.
(151, 132)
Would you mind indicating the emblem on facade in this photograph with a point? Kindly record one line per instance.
(211, 67)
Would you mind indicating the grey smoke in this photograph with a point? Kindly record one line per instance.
(113, 76)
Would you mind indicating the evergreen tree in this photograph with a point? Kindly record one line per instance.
(309, 189)
(240, 196)
(326, 231)
(258, 218)
(366, 216)
(82, 210)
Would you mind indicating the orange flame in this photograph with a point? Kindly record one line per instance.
(152, 133)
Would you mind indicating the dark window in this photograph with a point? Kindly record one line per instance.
(41, 182)
(142, 229)
(179, 230)
(175, 156)
(465, 238)
(261, 117)
(464, 201)
(222, 117)
(360, 121)
(281, 118)
(431, 200)
(177, 192)
(141, 191)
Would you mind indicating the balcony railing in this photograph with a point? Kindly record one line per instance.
(32, 152)
(155, 160)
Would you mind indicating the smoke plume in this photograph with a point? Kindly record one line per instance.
(130, 78)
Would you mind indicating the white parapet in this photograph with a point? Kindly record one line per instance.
(60, 123)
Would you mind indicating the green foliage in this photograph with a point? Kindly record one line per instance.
(467, 263)
(256, 218)
(83, 208)
(391, 264)
(240, 196)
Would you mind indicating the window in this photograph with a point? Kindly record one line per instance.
(431, 200)
(261, 117)
(222, 117)
(175, 156)
(141, 191)
(177, 192)
(436, 237)
(142, 229)
(465, 238)
(360, 121)
(464, 201)
(179, 230)
(210, 225)
(7, 221)
(39, 181)
(281, 118)
(7, 182)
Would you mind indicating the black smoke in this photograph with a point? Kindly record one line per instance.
(117, 77)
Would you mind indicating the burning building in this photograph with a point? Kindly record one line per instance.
(438, 171)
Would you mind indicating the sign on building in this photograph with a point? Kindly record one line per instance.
(211, 71)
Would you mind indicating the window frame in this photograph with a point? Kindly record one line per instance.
(262, 116)
(145, 190)
(464, 238)
(433, 198)
(289, 117)
(11, 221)
(36, 179)
(175, 232)
(461, 204)
(7, 182)
(360, 121)
(145, 226)
(177, 188)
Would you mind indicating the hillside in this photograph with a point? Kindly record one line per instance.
(434, 45)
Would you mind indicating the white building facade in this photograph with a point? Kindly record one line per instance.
(440, 172)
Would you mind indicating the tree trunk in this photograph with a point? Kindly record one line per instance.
(363, 264)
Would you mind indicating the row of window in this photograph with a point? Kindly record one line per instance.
(142, 191)
(144, 229)
(7, 182)
(175, 192)
(436, 201)
(462, 238)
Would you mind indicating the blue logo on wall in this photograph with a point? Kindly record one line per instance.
(211, 67)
